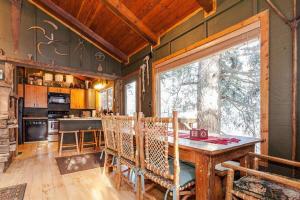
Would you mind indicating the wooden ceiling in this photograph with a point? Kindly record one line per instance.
(122, 27)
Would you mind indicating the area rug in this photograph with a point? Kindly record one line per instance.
(15, 192)
(76, 163)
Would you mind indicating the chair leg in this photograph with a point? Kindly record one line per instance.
(101, 155)
(61, 143)
(82, 141)
(100, 140)
(119, 176)
(95, 140)
(105, 162)
(229, 184)
(77, 145)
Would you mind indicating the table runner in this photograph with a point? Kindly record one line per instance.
(211, 139)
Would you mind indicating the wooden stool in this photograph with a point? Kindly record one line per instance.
(84, 143)
(61, 143)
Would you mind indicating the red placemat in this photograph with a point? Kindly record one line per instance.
(211, 139)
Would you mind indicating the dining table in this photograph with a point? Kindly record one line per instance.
(205, 156)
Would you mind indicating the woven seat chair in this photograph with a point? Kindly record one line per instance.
(177, 177)
(111, 141)
(261, 185)
(128, 139)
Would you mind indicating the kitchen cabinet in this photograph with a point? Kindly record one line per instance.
(59, 90)
(36, 96)
(77, 97)
(90, 99)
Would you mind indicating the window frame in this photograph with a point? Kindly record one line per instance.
(136, 95)
(179, 58)
(106, 91)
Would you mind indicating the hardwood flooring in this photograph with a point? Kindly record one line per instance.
(37, 167)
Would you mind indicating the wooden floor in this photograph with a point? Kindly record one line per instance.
(37, 167)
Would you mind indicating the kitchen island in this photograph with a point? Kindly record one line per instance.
(79, 123)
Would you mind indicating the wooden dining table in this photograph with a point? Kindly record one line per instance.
(205, 156)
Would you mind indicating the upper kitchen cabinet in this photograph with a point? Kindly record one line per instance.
(77, 99)
(36, 96)
(90, 99)
(59, 90)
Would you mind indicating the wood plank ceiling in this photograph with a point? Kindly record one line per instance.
(122, 27)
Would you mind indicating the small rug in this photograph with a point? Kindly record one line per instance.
(76, 163)
(15, 192)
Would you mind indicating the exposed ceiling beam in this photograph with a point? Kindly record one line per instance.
(207, 5)
(120, 10)
(76, 26)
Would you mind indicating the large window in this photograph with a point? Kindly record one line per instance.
(130, 98)
(219, 91)
(106, 97)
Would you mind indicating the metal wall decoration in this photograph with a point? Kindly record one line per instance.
(15, 22)
(146, 60)
(143, 67)
(51, 39)
(80, 49)
(99, 56)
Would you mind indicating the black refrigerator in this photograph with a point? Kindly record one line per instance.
(20, 120)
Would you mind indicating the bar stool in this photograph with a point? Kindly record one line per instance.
(61, 143)
(88, 143)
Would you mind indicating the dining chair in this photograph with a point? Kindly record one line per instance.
(261, 185)
(127, 153)
(111, 141)
(156, 165)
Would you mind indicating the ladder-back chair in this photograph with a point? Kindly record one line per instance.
(128, 141)
(156, 164)
(111, 140)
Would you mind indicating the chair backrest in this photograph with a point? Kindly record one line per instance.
(128, 139)
(154, 145)
(110, 132)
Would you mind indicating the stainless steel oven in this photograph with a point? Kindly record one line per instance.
(53, 130)
(53, 124)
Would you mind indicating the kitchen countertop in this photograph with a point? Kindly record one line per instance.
(35, 117)
(79, 118)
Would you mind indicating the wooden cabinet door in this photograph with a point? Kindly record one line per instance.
(90, 99)
(64, 90)
(41, 97)
(53, 89)
(29, 95)
(77, 99)
(59, 90)
(36, 96)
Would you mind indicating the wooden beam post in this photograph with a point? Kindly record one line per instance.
(120, 10)
(293, 24)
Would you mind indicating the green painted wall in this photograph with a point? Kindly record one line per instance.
(32, 16)
(230, 12)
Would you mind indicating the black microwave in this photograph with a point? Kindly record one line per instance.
(58, 98)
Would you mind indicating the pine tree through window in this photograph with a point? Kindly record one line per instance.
(221, 92)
